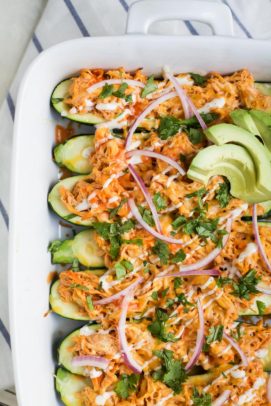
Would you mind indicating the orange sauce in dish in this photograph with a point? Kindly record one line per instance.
(63, 133)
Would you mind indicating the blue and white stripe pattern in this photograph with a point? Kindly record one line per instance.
(66, 19)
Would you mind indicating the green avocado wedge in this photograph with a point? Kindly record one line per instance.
(68, 385)
(264, 88)
(221, 134)
(243, 119)
(231, 161)
(262, 120)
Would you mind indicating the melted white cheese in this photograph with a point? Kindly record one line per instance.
(95, 373)
(250, 394)
(173, 207)
(238, 374)
(107, 106)
(207, 283)
(84, 205)
(171, 179)
(112, 177)
(113, 199)
(262, 353)
(163, 400)
(250, 249)
(214, 104)
(118, 122)
(101, 399)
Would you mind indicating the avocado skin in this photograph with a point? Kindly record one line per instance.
(228, 133)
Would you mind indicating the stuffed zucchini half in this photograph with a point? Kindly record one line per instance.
(59, 94)
(69, 310)
(82, 247)
(68, 385)
(59, 208)
(74, 154)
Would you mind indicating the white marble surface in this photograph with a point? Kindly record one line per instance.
(18, 19)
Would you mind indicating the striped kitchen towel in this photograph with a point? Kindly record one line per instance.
(67, 19)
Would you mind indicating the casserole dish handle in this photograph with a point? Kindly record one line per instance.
(145, 12)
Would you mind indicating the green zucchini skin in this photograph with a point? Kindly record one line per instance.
(59, 93)
(68, 385)
(65, 355)
(70, 154)
(67, 310)
(253, 309)
(58, 207)
(82, 247)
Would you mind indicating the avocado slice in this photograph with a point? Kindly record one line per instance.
(243, 119)
(262, 121)
(231, 161)
(264, 88)
(225, 133)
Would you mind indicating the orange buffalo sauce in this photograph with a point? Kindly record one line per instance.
(63, 133)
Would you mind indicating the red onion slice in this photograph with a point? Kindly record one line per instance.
(200, 339)
(90, 361)
(147, 196)
(134, 83)
(237, 348)
(127, 356)
(197, 272)
(268, 389)
(258, 238)
(144, 113)
(181, 93)
(222, 398)
(150, 230)
(151, 154)
(118, 295)
(209, 258)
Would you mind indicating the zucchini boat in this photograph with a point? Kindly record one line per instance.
(65, 355)
(58, 207)
(60, 92)
(82, 247)
(74, 153)
(68, 385)
(66, 309)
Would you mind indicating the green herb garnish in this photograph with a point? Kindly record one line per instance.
(127, 385)
(178, 257)
(199, 80)
(162, 251)
(157, 327)
(195, 135)
(261, 306)
(159, 201)
(203, 399)
(107, 91)
(150, 87)
(90, 303)
(246, 285)
(114, 212)
(223, 194)
(172, 372)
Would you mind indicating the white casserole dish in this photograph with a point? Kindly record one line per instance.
(33, 171)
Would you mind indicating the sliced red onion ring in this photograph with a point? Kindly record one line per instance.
(129, 82)
(222, 398)
(210, 257)
(144, 113)
(150, 230)
(90, 361)
(147, 196)
(186, 101)
(196, 272)
(268, 388)
(181, 93)
(127, 356)
(118, 295)
(258, 238)
(200, 339)
(151, 154)
(233, 343)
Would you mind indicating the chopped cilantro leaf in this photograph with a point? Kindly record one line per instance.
(177, 283)
(178, 257)
(78, 286)
(164, 292)
(168, 127)
(159, 201)
(136, 241)
(223, 194)
(90, 303)
(120, 270)
(261, 306)
(126, 385)
(150, 87)
(215, 334)
(162, 251)
(107, 91)
(154, 295)
(146, 215)
(199, 80)
(120, 93)
(172, 372)
(114, 212)
(203, 399)
(54, 245)
(223, 281)
(195, 135)
(178, 222)
(157, 327)
(246, 285)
